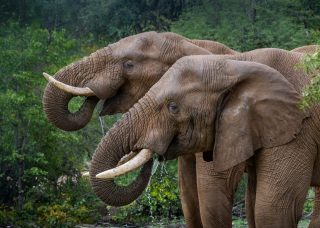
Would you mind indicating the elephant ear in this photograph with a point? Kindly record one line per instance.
(261, 110)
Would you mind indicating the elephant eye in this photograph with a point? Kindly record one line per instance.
(128, 65)
(173, 107)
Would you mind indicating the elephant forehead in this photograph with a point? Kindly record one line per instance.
(135, 47)
(198, 100)
(166, 88)
(190, 95)
(177, 82)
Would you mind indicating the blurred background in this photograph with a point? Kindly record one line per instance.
(40, 166)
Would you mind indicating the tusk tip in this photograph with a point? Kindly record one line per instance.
(47, 76)
(85, 174)
(102, 176)
(67, 88)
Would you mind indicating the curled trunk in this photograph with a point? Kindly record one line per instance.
(55, 101)
(55, 105)
(109, 152)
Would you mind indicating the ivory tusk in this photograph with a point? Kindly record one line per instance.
(140, 159)
(126, 158)
(85, 174)
(78, 91)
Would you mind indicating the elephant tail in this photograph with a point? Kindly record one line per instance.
(251, 194)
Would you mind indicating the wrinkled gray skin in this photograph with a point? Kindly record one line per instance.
(238, 110)
(119, 74)
(106, 70)
(309, 49)
(109, 74)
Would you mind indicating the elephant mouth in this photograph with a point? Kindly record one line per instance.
(112, 105)
(177, 148)
(137, 158)
(107, 108)
(172, 150)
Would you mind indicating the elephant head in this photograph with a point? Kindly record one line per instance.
(118, 74)
(230, 108)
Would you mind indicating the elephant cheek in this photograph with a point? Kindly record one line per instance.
(106, 84)
(119, 103)
(156, 140)
(103, 89)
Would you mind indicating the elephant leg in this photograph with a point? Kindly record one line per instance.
(315, 219)
(283, 178)
(188, 190)
(216, 191)
(251, 195)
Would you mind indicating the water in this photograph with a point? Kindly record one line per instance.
(102, 125)
(149, 201)
(154, 169)
(163, 172)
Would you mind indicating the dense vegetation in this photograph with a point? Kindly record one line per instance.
(40, 165)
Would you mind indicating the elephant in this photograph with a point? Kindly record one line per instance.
(237, 110)
(123, 95)
(107, 68)
(315, 219)
(230, 180)
(284, 62)
(109, 73)
(293, 60)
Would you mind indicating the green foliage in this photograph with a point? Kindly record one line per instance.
(311, 93)
(7, 215)
(244, 25)
(34, 154)
(107, 20)
(140, 16)
(239, 223)
(70, 209)
(308, 204)
(241, 189)
(73, 204)
(41, 35)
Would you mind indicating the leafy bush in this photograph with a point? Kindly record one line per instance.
(65, 214)
(74, 204)
(243, 25)
(7, 215)
(34, 154)
(308, 204)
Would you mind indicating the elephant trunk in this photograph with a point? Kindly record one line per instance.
(116, 144)
(55, 100)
